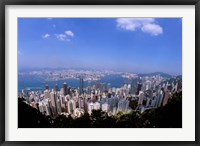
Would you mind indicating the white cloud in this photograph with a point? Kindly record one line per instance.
(69, 33)
(146, 25)
(46, 36)
(153, 29)
(61, 37)
(66, 36)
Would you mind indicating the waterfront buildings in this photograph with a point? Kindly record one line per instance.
(148, 92)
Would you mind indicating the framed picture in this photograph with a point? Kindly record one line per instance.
(99, 72)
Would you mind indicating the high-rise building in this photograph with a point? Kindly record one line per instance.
(81, 103)
(41, 107)
(139, 87)
(123, 105)
(148, 102)
(81, 86)
(141, 98)
(50, 107)
(46, 109)
(65, 88)
(105, 107)
(148, 85)
(90, 107)
(85, 104)
(160, 98)
(133, 87)
(53, 103)
(71, 106)
(166, 97)
(46, 94)
(97, 106)
(59, 106)
(153, 102)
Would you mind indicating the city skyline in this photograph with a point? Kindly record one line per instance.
(101, 106)
(125, 44)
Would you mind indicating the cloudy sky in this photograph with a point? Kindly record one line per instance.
(124, 44)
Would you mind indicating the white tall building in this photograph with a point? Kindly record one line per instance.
(41, 107)
(81, 103)
(53, 103)
(59, 110)
(148, 101)
(63, 102)
(160, 98)
(46, 94)
(166, 97)
(53, 99)
(97, 106)
(90, 107)
(153, 103)
(47, 109)
(123, 105)
(71, 106)
(105, 107)
(148, 85)
(141, 98)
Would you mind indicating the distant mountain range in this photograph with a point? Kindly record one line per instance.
(165, 75)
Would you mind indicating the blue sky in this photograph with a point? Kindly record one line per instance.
(139, 45)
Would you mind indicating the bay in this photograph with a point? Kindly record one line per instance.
(35, 83)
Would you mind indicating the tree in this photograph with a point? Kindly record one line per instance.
(168, 116)
(29, 117)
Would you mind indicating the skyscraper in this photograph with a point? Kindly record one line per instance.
(139, 87)
(65, 88)
(53, 103)
(81, 86)
(105, 107)
(81, 103)
(97, 106)
(46, 94)
(71, 106)
(133, 87)
(166, 97)
(160, 98)
(59, 110)
(90, 107)
(141, 98)
(123, 105)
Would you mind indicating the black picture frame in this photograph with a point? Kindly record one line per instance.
(3, 4)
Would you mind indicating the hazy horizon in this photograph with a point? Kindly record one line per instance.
(95, 69)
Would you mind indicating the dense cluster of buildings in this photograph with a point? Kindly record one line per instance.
(87, 75)
(148, 92)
